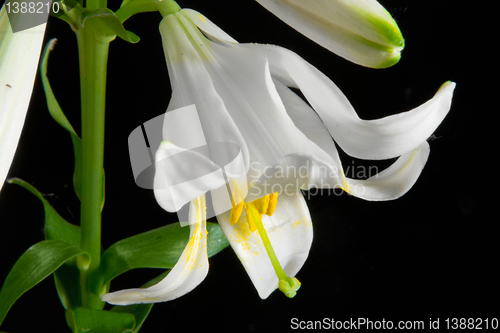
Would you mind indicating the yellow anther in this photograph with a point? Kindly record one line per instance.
(236, 212)
(237, 204)
(267, 205)
(262, 204)
(273, 201)
(252, 216)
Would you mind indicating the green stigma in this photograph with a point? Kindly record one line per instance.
(289, 286)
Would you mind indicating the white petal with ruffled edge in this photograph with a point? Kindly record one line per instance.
(290, 232)
(188, 272)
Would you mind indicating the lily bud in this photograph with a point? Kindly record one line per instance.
(361, 31)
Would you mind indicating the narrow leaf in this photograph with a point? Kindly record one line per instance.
(58, 115)
(56, 228)
(82, 320)
(158, 248)
(38, 262)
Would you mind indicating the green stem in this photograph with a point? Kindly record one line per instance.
(95, 4)
(165, 7)
(93, 55)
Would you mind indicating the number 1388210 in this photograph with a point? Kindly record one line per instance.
(471, 323)
(26, 7)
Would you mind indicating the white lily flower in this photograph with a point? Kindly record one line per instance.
(19, 55)
(361, 31)
(242, 97)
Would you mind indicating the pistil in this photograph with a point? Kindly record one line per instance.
(287, 285)
(254, 211)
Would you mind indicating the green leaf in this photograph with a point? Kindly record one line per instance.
(158, 248)
(107, 24)
(58, 115)
(38, 262)
(99, 321)
(56, 228)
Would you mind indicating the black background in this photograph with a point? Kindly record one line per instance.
(430, 254)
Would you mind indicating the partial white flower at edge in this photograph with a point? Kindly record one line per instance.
(242, 97)
(19, 56)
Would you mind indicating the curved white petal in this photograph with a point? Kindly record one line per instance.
(19, 55)
(256, 108)
(306, 170)
(190, 65)
(394, 181)
(306, 119)
(361, 31)
(389, 184)
(290, 232)
(302, 172)
(188, 273)
(383, 138)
